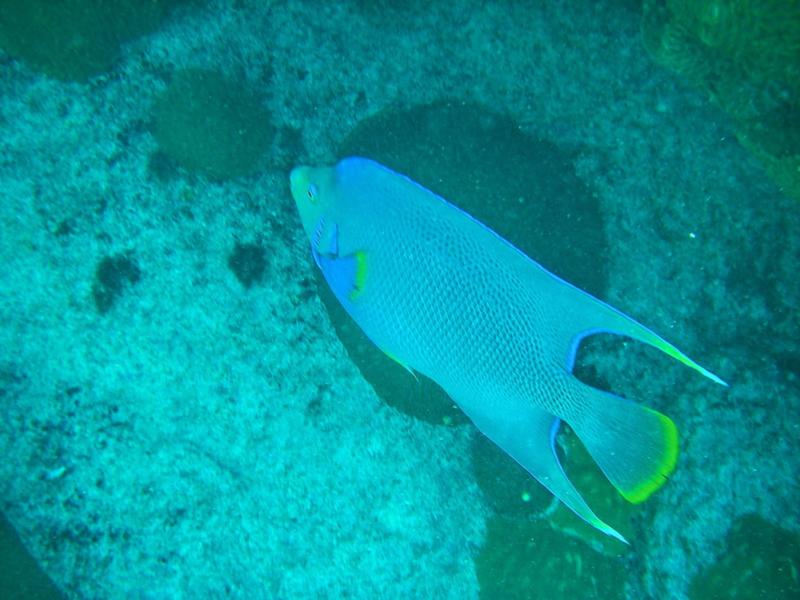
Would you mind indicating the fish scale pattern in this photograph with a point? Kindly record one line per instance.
(446, 295)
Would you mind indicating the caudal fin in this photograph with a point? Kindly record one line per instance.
(636, 447)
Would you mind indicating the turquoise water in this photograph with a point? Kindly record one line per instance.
(186, 413)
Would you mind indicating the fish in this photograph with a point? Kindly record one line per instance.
(444, 295)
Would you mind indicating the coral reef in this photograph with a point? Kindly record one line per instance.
(746, 56)
(760, 560)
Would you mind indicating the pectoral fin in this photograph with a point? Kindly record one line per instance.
(346, 275)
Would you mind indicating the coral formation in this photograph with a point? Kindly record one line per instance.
(746, 56)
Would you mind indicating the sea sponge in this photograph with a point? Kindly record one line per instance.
(248, 263)
(746, 55)
(212, 124)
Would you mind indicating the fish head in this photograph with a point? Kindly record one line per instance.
(312, 190)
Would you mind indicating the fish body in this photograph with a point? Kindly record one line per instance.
(445, 296)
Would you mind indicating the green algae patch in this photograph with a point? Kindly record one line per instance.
(74, 40)
(211, 124)
(760, 560)
(522, 187)
(746, 56)
(524, 560)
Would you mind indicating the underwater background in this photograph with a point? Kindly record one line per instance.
(186, 413)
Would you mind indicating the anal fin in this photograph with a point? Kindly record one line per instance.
(529, 439)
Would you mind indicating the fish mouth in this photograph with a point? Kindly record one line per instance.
(298, 182)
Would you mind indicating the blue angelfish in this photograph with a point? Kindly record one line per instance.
(445, 296)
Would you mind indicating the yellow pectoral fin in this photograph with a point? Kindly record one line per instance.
(359, 275)
(346, 275)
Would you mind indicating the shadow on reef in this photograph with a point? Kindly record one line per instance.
(523, 188)
(759, 560)
(74, 40)
(526, 561)
(20, 575)
(210, 124)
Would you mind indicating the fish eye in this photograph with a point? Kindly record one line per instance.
(312, 192)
